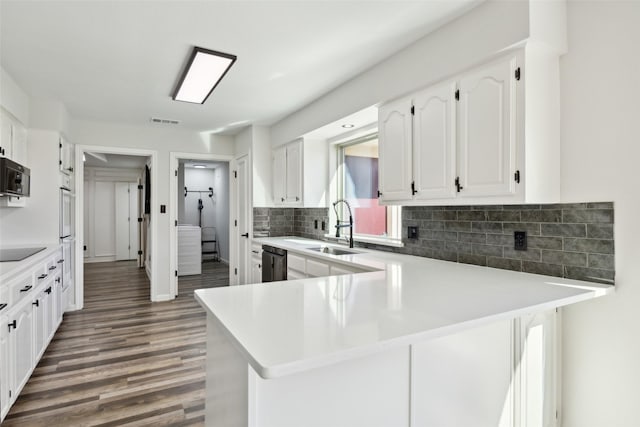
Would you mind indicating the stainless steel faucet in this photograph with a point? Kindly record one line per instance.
(341, 224)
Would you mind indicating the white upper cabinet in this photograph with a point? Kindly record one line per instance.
(279, 174)
(287, 174)
(67, 151)
(395, 142)
(434, 149)
(487, 131)
(294, 173)
(13, 138)
(463, 141)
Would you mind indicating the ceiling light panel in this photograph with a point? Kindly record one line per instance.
(203, 73)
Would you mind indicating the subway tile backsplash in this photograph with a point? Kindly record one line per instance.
(274, 222)
(572, 240)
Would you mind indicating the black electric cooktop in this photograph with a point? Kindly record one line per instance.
(18, 254)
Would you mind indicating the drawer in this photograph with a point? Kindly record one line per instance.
(296, 262)
(4, 299)
(293, 275)
(317, 269)
(21, 287)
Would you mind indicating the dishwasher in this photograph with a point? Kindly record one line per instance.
(274, 264)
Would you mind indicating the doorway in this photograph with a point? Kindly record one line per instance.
(200, 215)
(115, 188)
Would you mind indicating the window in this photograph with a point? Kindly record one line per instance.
(357, 173)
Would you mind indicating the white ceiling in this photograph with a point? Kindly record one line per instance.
(120, 60)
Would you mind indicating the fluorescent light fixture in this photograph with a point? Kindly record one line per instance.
(203, 73)
(347, 125)
(199, 166)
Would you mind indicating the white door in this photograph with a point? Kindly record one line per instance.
(122, 220)
(126, 220)
(104, 241)
(487, 134)
(244, 226)
(434, 157)
(134, 213)
(279, 175)
(394, 141)
(294, 174)
(87, 223)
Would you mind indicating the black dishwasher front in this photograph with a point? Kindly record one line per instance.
(274, 264)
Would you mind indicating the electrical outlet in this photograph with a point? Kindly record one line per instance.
(163, 208)
(315, 224)
(520, 240)
(323, 226)
(412, 232)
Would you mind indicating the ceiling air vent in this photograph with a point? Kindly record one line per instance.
(164, 121)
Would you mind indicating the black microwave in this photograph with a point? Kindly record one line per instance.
(14, 178)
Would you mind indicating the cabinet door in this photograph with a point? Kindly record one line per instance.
(434, 157)
(487, 132)
(6, 374)
(279, 175)
(6, 135)
(256, 271)
(394, 142)
(294, 174)
(317, 268)
(19, 143)
(465, 379)
(39, 324)
(21, 345)
(66, 156)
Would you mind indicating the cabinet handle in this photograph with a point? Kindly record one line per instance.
(297, 199)
(26, 288)
(36, 303)
(13, 325)
(245, 235)
(3, 306)
(282, 199)
(60, 261)
(255, 252)
(457, 184)
(379, 194)
(57, 280)
(42, 276)
(413, 188)
(70, 169)
(48, 290)
(53, 267)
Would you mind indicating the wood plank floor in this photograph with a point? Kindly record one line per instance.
(122, 360)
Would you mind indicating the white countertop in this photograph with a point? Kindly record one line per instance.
(292, 326)
(10, 269)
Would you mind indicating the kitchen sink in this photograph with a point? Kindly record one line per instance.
(333, 251)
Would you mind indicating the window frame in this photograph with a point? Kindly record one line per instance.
(394, 212)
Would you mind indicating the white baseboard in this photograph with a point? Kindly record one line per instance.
(99, 259)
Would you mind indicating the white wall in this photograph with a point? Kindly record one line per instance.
(484, 31)
(600, 151)
(164, 140)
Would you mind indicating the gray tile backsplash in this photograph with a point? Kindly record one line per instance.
(301, 222)
(573, 240)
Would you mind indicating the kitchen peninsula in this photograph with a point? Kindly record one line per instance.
(414, 341)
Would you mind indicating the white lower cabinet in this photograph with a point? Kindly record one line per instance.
(460, 380)
(256, 263)
(300, 267)
(5, 362)
(34, 310)
(21, 345)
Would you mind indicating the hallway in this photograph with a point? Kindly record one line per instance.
(123, 360)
